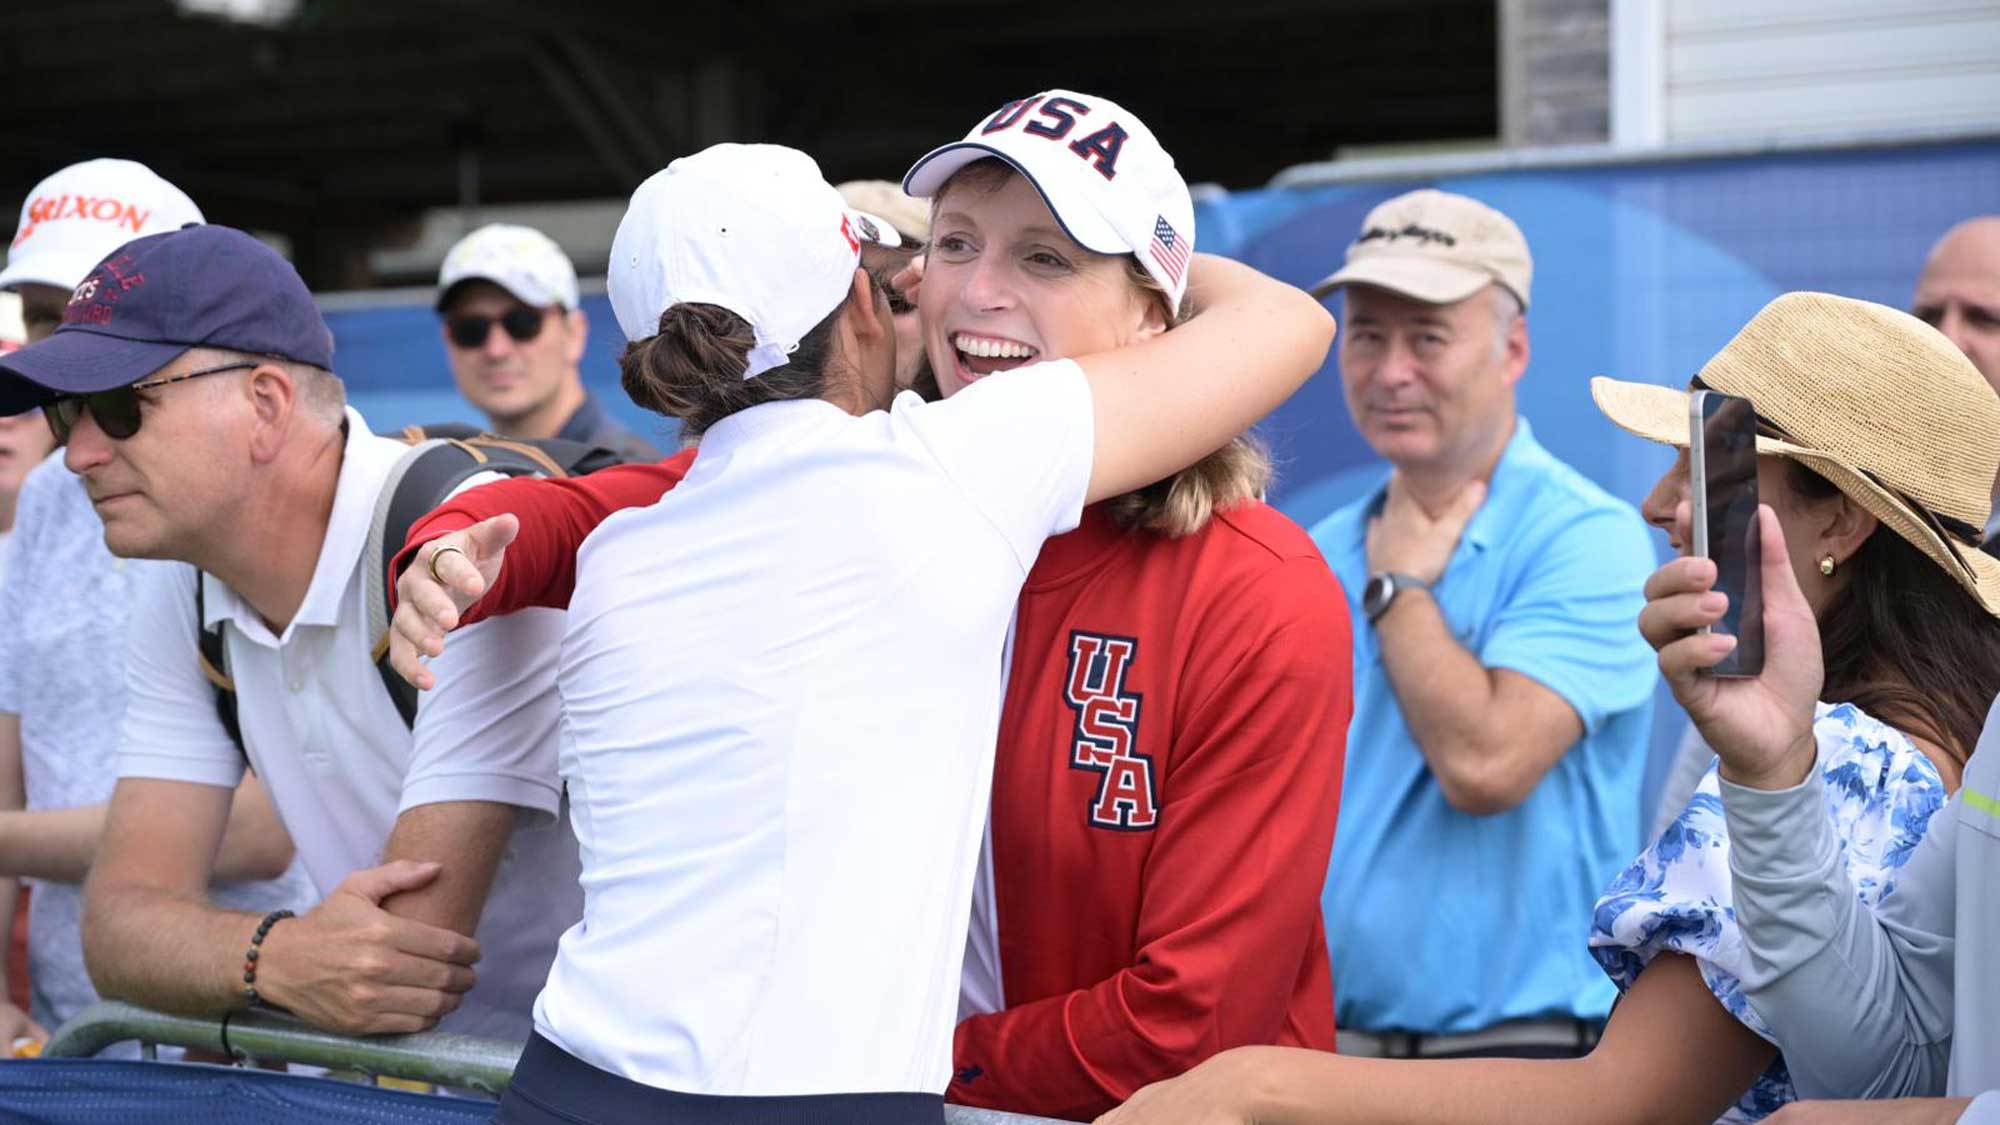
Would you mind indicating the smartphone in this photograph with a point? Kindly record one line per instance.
(1722, 453)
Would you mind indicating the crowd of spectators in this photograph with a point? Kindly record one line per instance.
(1274, 813)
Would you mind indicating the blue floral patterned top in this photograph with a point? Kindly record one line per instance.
(1676, 897)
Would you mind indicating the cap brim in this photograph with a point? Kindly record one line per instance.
(1085, 227)
(1428, 280)
(1660, 414)
(535, 299)
(77, 362)
(885, 234)
(62, 271)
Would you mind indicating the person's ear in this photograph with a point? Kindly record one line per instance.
(1843, 527)
(1152, 315)
(579, 335)
(867, 310)
(1515, 348)
(273, 398)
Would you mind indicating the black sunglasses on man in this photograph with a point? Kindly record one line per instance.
(470, 330)
(117, 410)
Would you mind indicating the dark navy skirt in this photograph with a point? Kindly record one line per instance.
(553, 1087)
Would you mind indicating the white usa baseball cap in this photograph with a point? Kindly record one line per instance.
(521, 260)
(1100, 170)
(78, 216)
(754, 229)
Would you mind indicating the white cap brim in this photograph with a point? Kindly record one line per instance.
(525, 290)
(869, 227)
(54, 268)
(1082, 223)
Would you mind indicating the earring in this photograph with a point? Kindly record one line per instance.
(1826, 566)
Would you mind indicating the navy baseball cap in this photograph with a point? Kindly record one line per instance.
(154, 298)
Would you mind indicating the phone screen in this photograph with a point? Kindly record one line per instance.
(1725, 487)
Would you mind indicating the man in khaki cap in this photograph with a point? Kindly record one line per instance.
(1502, 694)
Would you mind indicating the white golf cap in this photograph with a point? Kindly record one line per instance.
(77, 217)
(1099, 169)
(13, 330)
(754, 229)
(521, 260)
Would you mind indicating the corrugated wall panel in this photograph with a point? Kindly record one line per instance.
(1760, 68)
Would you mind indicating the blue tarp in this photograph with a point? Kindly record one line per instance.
(95, 1092)
(1642, 271)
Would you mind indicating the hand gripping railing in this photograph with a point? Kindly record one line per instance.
(441, 1057)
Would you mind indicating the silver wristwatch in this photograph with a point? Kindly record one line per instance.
(1382, 589)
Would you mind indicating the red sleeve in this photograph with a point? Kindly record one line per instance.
(556, 517)
(1230, 899)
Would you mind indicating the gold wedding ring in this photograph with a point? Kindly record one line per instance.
(438, 554)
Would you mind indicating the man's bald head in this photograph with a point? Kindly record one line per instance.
(1959, 292)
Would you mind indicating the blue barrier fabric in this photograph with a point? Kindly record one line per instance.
(93, 1091)
(1642, 271)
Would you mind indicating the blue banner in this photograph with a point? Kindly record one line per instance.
(1642, 271)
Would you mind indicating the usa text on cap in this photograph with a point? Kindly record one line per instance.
(1098, 167)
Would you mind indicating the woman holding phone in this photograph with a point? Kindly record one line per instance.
(1171, 740)
(781, 681)
(1876, 463)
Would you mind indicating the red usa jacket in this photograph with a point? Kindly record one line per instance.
(1163, 806)
(1164, 794)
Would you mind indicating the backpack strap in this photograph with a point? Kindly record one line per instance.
(442, 459)
(418, 482)
(214, 655)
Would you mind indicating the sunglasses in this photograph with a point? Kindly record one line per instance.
(469, 330)
(116, 411)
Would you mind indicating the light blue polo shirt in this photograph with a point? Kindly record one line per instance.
(1440, 921)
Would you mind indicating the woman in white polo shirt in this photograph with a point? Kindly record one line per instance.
(781, 682)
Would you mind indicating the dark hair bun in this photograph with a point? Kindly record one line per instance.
(698, 355)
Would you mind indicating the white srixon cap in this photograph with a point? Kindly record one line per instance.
(77, 217)
(754, 229)
(1099, 169)
(521, 260)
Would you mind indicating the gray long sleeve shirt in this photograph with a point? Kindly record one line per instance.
(1867, 1004)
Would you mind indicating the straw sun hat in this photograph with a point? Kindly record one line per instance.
(1874, 400)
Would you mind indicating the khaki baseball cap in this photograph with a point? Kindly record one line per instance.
(1436, 247)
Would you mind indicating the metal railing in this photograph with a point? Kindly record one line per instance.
(440, 1057)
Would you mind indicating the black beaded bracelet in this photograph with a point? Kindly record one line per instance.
(250, 955)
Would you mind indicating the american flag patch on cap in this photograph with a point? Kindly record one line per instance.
(1169, 250)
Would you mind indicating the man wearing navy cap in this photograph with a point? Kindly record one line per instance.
(191, 379)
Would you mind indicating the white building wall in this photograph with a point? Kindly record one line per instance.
(1711, 70)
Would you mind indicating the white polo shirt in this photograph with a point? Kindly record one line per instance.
(781, 692)
(332, 749)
